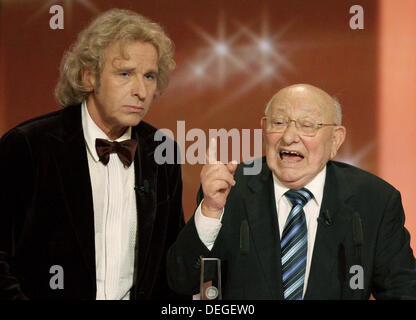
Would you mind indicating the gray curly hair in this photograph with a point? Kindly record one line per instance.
(87, 53)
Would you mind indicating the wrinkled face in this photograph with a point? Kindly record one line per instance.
(296, 159)
(127, 85)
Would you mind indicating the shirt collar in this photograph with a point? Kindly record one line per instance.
(316, 187)
(93, 132)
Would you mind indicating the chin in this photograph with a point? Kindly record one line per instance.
(295, 185)
(132, 121)
(290, 180)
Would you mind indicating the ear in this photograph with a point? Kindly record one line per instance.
(89, 80)
(338, 137)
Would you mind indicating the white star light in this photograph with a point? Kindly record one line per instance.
(258, 57)
(218, 57)
(221, 49)
(265, 46)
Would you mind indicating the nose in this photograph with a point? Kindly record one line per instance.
(291, 135)
(139, 89)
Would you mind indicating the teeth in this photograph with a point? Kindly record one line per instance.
(291, 152)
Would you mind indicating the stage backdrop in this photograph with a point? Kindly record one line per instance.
(232, 56)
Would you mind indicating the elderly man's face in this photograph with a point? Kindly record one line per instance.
(312, 153)
(126, 87)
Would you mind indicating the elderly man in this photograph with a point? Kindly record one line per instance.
(317, 229)
(86, 212)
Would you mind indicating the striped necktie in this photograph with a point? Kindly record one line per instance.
(294, 245)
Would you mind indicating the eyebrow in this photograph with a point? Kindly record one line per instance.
(153, 71)
(125, 69)
(132, 69)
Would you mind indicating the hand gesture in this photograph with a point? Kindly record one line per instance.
(216, 179)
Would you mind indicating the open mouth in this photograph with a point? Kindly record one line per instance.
(290, 155)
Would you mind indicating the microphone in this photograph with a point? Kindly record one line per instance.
(327, 219)
(244, 238)
(143, 188)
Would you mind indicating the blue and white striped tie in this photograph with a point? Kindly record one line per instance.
(294, 245)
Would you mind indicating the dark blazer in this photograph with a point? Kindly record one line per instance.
(47, 218)
(360, 223)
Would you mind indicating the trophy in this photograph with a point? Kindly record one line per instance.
(210, 284)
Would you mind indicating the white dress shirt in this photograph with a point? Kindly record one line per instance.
(115, 215)
(208, 228)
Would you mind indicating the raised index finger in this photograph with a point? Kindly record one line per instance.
(211, 156)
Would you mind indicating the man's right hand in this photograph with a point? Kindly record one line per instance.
(216, 179)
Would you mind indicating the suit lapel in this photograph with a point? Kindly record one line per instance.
(327, 272)
(329, 259)
(71, 158)
(264, 229)
(146, 186)
(72, 163)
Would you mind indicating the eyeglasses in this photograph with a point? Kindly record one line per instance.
(305, 127)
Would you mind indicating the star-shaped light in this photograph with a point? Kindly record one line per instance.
(258, 57)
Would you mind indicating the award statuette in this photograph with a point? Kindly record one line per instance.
(210, 284)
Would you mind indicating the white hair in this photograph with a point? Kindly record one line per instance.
(338, 111)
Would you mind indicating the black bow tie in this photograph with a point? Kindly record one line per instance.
(125, 150)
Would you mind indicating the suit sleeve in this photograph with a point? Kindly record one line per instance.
(184, 258)
(395, 267)
(16, 181)
(175, 225)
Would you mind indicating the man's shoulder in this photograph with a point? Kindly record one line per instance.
(253, 168)
(357, 178)
(152, 135)
(40, 121)
(145, 129)
(252, 174)
(37, 126)
(52, 122)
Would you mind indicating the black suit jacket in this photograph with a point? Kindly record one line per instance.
(360, 223)
(47, 218)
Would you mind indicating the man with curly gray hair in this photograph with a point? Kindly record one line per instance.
(87, 213)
